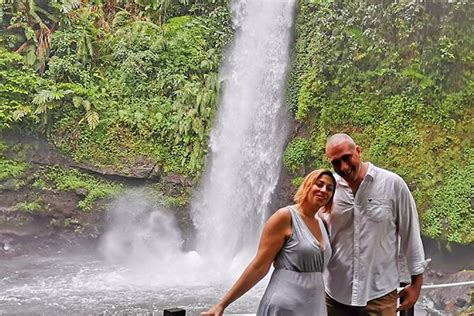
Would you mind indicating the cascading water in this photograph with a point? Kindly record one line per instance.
(246, 146)
(146, 270)
(248, 136)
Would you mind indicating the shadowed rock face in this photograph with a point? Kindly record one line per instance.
(47, 230)
(450, 300)
(449, 257)
(57, 223)
(38, 151)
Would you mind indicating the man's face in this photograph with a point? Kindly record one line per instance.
(345, 159)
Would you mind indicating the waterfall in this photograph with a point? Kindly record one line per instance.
(248, 136)
(246, 145)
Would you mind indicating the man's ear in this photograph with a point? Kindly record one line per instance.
(358, 150)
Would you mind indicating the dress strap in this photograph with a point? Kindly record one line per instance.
(326, 226)
(296, 220)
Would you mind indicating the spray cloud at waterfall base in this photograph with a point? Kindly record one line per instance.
(144, 237)
(246, 145)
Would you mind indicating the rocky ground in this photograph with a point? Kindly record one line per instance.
(456, 300)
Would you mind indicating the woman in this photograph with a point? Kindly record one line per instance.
(296, 241)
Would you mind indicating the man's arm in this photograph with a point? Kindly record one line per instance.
(410, 246)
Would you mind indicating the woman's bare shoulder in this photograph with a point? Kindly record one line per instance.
(281, 216)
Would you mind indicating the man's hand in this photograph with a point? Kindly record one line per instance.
(409, 295)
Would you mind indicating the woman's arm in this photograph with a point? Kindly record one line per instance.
(275, 232)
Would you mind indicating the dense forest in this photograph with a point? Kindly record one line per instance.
(125, 85)
(397, 77)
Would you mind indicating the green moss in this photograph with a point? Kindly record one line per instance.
(296, 154)
(29, 207)
(162, 196)
(11, 168)
(397, 79)
(450, 213)
(297, 181)
(71, 179)
(40, 184)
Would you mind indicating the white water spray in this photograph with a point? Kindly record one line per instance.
(248, 136)
(246, 147)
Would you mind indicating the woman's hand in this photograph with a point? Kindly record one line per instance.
(215, 311)
(274, 234)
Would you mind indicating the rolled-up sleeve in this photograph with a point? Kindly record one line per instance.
(411, 245)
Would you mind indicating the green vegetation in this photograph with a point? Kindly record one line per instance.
(297, 181)
(296, 154)
(118, 85)
(163, 196)
(71, 180)
(18, 83)
(40, 184)
(133, 84)
(10, 168)
(30, 207)
(398, 78)
(451, 213)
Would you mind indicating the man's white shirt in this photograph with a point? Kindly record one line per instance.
(367, 232)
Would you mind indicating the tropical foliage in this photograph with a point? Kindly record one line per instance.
(115, 83)
(126, 84)
(398, 77)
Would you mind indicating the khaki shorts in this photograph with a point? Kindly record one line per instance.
(382, 306)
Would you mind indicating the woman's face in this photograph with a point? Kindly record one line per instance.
(321, 191)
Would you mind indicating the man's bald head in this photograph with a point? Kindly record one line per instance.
(338, 139)
(345, 157)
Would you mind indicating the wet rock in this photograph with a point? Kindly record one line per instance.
(6, 244)
(460, 302)
(440, 306)
(177, 179)
(82, 192)
(57, 221)
(39, 151)
(9, 185)
(452, 300)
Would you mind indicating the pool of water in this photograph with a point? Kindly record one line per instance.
(83, 285)
(86, 284)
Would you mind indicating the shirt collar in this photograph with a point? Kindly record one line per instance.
(370, 175)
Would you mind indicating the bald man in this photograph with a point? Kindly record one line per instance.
(374, 218)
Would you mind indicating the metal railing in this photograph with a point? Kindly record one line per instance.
(410, 312)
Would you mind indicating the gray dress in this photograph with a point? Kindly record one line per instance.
(296, 287)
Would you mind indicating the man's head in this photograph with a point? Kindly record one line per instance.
(344, 155)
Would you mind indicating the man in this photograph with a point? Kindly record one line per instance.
(374, 218)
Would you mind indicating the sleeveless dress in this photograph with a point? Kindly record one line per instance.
(296, 286)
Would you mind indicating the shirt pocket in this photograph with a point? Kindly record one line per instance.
(378, 210)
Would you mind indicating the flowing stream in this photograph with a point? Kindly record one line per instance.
(140, 267)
